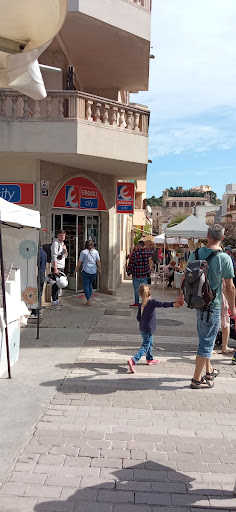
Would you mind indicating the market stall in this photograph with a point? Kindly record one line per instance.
(190, 229)
(19, 237)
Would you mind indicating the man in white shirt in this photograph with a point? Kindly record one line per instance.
(58, 260)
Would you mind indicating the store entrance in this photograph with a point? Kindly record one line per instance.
(79, 228)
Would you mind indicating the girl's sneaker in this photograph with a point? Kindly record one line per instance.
(153, 361)
(234, 359)
(131, 365)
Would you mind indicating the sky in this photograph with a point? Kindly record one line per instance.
(192, 95)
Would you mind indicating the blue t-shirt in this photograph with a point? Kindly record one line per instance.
(220, 267)
(89, 260)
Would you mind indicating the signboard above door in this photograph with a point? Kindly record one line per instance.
(80, 193)
(18, 193)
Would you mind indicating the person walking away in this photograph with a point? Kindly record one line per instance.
(91, 267)
(139, 267)
(155, 257)
(225, 323)
(208, 321)
(169, 272)
(42, 272)
(58, 260)
(147, 324)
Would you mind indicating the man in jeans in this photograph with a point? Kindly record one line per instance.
(139, 267)
(58, 254)
(208, 322)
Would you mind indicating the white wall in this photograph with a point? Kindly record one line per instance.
(118, 13)
(22, 170)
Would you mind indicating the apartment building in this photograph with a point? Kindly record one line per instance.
(229, 203)
(64, 155)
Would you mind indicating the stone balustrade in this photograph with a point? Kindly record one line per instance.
(64, 105)
(146, 4)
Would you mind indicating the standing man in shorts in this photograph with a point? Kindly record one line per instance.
(208, 322)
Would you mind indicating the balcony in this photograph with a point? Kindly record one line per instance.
(116, 35)
(77, 129)
(231, 208)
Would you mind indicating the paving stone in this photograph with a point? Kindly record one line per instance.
(106, 463)
(78, 461)
(14, 489)
(43, 491)
(27, 478)
(152, 498)
(115, 496)
(17, 504)
(55, 460)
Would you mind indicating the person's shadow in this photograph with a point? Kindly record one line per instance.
(148, 484)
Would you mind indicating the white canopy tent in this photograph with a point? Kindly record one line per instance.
(14, 216)
(160, 239)
(189, 228)
(27, 27)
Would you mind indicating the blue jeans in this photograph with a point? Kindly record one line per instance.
(136, 282)
(88, 280)
(146, 347)
(208, 324)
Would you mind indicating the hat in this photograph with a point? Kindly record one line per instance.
(228, 248)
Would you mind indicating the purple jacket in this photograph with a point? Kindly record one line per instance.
(148, 321)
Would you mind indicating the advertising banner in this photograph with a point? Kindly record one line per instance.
(18, 193)
(125, 197)
(80, 193)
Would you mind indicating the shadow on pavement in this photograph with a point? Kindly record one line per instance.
(146, 484)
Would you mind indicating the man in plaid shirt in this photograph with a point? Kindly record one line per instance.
(139, 268)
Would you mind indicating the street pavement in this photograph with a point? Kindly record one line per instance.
(111, 441)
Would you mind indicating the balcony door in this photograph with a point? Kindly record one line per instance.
(79, 228)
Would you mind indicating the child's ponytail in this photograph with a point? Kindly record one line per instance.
(145, 294)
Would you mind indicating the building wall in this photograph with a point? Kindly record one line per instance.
(21, 170)
(110, 235)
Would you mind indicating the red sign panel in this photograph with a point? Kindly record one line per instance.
(125, 198)
(18, 193)
(80, 193)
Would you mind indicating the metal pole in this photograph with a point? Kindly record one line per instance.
(39, 289)
(164, 262)
(4, 305)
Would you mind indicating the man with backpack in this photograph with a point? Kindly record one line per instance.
(202, 288)
(140, 269)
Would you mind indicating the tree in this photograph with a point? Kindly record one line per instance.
(177, 219)
(213, 197)
(154, 201)
(137, 237)
(230, 233)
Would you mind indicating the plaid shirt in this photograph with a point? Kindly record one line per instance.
(139, 263)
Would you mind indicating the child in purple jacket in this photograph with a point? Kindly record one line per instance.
(147, 324)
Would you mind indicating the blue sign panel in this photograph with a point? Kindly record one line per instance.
(11, 193)
(89, 203)
(126, 208)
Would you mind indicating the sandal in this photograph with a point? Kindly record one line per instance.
(212, 375)
(228, 351)
(204, 383)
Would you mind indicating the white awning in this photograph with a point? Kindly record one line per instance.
(14, 214)
(33, 25)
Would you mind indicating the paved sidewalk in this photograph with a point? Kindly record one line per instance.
(114, 442)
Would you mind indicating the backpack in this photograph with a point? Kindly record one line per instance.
(196, 287)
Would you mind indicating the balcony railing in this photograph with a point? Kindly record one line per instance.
(146, 4)
(64, 105)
